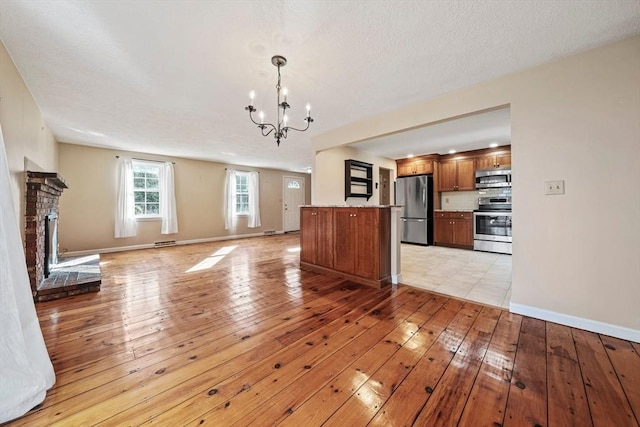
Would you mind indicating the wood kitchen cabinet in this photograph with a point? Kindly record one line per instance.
(495, 160)
(360, 244)
(415, 166)
(316, 236)
(454, 229)
(457, 175)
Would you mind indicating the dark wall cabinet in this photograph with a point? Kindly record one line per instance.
(360, 243)
(358, 179)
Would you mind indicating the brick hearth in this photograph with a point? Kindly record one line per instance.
(43, 192)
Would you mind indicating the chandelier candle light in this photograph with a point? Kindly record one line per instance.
(280, 129)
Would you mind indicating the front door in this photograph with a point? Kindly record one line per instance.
(293, 197)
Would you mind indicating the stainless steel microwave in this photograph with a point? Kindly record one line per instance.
(493, 178)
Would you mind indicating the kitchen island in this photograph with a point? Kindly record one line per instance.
(358, 243)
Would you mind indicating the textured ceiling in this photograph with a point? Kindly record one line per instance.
(173, 77)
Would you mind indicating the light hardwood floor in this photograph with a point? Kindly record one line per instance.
(233, 333)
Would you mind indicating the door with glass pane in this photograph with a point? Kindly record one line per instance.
(293, 198)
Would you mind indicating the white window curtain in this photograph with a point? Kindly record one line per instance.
(254, 200)
(125, 220)
(25, 368)
(230, 200)
(168, 210)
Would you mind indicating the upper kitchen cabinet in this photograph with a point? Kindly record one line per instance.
(457, 175)
(499, 158)
(421, 165)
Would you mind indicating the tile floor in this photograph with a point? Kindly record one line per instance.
(477, 276)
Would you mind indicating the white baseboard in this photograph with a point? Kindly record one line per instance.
(396, 278)
(577, 322)
(151, 245)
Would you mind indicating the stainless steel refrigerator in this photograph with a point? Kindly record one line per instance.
(415, 194)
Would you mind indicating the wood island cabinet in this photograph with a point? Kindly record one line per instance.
(360, 243)
(454, 229)
(316, 236)
(457, 175)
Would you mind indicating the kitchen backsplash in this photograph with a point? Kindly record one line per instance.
(467, 200)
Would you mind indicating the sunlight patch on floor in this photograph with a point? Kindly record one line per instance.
(212, 260)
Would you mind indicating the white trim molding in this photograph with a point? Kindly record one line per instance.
(577, 322)
(179, 242)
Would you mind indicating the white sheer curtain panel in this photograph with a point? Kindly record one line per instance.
(25, 368)
(230, 200)
(254, 200)
(125, 220)
(168, 210)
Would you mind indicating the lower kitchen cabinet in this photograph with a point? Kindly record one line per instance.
(360, 243)
(316, 236)
(454, 229)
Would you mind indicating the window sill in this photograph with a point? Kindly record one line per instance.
(148, 218)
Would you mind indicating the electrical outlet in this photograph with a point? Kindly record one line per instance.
(554, 187)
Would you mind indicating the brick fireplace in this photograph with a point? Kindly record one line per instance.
(41, 242)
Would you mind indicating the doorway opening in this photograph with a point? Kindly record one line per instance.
(384, 188)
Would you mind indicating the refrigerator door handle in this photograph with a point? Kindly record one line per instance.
(420, 220)
(424, 196)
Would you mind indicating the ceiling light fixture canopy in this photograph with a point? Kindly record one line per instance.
(281, 128)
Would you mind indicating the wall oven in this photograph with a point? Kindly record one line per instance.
(492, 225)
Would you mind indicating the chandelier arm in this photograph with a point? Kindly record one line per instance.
(299, 130)
(262, 128)
(251, 110)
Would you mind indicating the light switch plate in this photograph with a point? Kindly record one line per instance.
(554, 187)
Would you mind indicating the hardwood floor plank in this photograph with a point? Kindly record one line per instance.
(232, 343)
(331, 377)
(251, 339)
(488, 398)
(527, 402)
(565, 389)
(607, 402)
(446, 403)
(366, 400)
(453, 321)
(170, 408)
(626, 363)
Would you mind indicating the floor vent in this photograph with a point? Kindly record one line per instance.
(164, 243)
(270, 232)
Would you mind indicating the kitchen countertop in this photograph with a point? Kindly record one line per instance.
(350, 206)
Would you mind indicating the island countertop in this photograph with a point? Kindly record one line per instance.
(351, 206)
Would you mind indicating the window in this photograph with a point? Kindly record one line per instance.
(146, 189)
(242, 193)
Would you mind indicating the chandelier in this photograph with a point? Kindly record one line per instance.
(281, 128)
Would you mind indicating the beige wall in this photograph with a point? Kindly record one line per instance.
(330, 164)
(575, 256)
(28, 142)
(87, 207)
